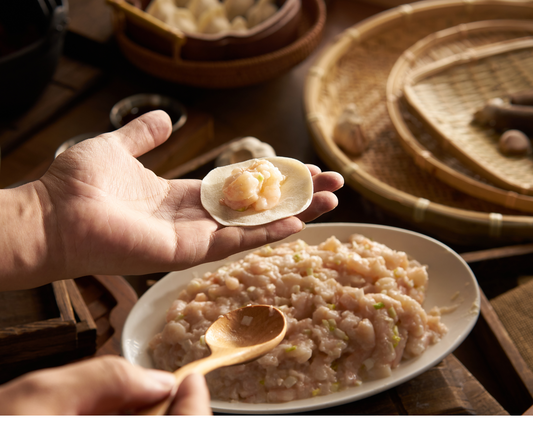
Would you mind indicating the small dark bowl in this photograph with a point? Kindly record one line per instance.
(134, 106)
(73, 141)
(25, 72)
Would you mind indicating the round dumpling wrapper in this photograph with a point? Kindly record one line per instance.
(296, 193)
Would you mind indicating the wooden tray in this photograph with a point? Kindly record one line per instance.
(474, 76)
(355, 69)
(62, 322)
(233, 73)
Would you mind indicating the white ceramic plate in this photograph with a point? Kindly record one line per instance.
(450, 282)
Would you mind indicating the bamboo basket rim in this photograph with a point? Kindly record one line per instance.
(494, 225)
(470, 56)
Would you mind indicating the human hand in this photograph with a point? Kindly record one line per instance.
(110, 215)
(102, 385)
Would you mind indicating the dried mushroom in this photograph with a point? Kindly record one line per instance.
(514, 143)
(501, 115)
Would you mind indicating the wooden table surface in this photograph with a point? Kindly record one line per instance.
(93, 76)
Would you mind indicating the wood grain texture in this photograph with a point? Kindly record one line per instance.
(125, 298)
(63, 301)
(447, 388)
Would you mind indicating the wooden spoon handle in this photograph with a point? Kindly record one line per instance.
(202, 366)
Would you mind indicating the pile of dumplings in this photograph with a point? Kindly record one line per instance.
(212, 16)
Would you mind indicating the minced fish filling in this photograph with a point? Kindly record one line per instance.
(354, 311)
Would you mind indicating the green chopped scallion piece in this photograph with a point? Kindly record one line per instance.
(309, 271)
(395, 341)
(329, 324)
(315, 392)
(332, 306)
(297, 257)
(292, 348)
(379, 305)
(392, 312)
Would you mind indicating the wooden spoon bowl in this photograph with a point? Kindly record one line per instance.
(240, 336)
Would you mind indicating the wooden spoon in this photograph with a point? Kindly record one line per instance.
(239, 336)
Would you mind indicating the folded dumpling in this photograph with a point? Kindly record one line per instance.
(214, 21)
(199, 7)
(161, 9)
(183, 20)
(260, 12)
(239, 24)
(237, 7)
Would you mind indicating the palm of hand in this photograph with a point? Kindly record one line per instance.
(132, 216)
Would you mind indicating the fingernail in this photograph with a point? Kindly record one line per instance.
(303, 225)
(163, 379)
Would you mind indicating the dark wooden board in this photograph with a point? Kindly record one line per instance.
(498, 271)
(71, 80)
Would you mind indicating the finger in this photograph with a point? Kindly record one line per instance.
(113, 385)
(322, 202)
(103, 385)
(313, 169)
(192, 397)
(144, 133)
(233, 239)
(327, 181)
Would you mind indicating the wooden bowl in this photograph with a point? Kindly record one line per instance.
(226, 73)
(147, 31)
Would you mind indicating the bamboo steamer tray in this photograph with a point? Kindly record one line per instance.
(224, 73)
(355, 68)
(450, 45)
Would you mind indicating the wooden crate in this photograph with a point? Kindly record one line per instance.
(40, 323)
(62, 322)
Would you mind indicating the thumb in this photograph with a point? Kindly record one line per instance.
(113, 385)
(192, 397)
(103, 385)
(144, 133)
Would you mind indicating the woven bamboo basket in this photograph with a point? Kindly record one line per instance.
(447, 93)
(227, 73)
(460, 170)
(355, 69)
